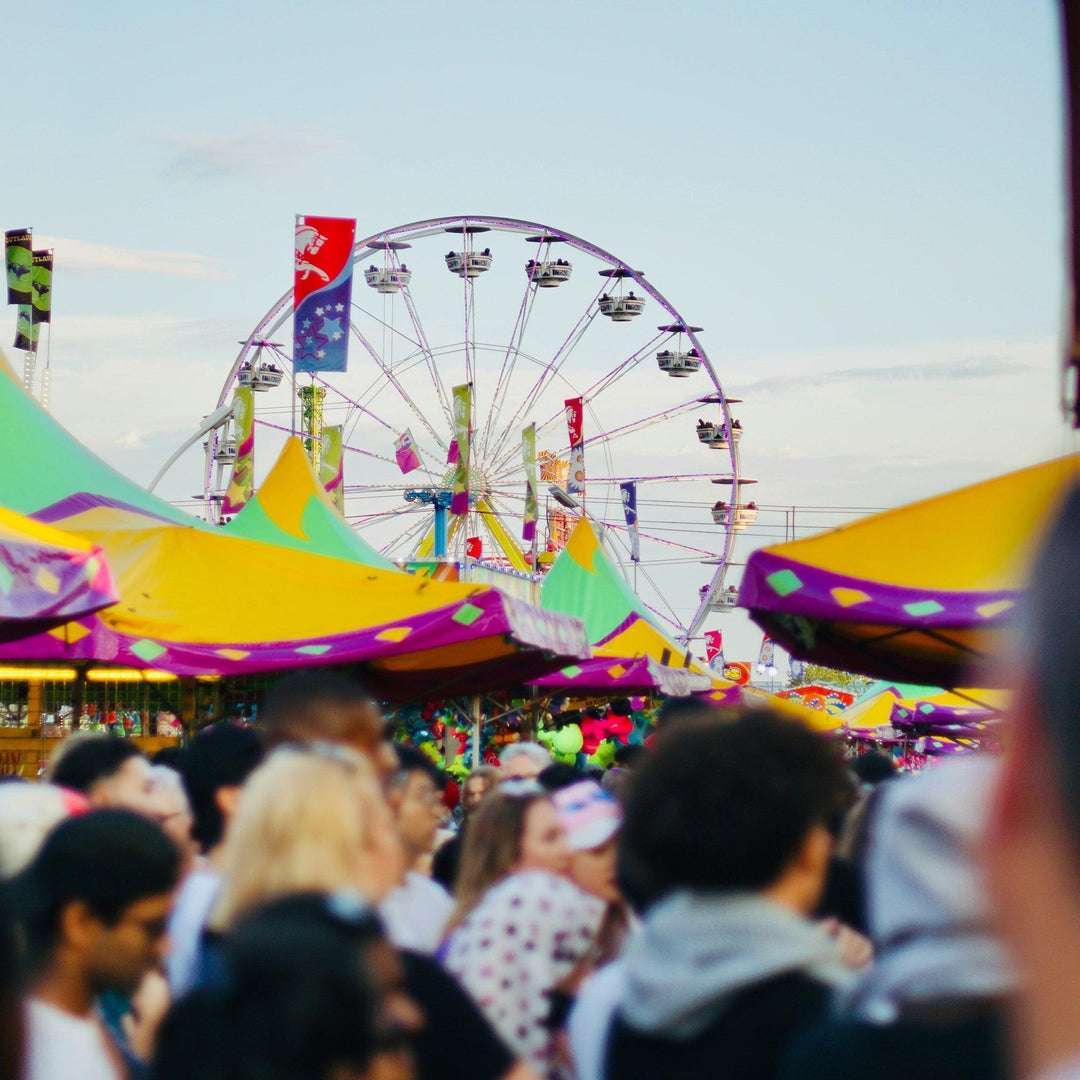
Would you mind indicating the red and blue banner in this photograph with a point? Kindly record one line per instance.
(322, 292)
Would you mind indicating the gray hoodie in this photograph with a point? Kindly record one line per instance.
(697, 951)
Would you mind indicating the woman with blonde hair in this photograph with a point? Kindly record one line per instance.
(314, 820)
(309, 820)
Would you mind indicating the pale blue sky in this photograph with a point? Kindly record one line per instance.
(861, 201)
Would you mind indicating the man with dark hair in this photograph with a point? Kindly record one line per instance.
(314, 705)
(1033, 847)
(416, 912)
(107, 770)
(92, 906)
(214, 767)
(727, 834)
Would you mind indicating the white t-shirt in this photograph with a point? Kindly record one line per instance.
(590, 1020)
(186, 922)
(60, 1045)
(416, 914)
(1065, 1070)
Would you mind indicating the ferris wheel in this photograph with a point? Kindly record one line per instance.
(530, 318)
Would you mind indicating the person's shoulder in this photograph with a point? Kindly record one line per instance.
(858, 1050)
(792, 1000)
(424, 888)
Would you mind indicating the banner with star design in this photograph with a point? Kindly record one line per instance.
(322, 292)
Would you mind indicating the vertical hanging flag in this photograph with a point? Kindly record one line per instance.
(575, 483)
(332, 466)
(26, 330)
(628, 491)
(322, 293)
(242, 480)
(532, 484)
(474, 548)
(41, 286)
(459, 504)
(20, 261)
(796, 669)
(766, 661)
(406, 453)
(452, 453)
(714, 649)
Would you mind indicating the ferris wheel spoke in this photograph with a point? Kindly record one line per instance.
(639, 425)
(622, 369)
(392, 379)
(394, 331)
(551, 369)
(355, 404)
(509, 361)
(407, 536)
(425, 349)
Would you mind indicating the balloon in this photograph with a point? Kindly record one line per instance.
(566, 759)
(547, 737)
(605, 754)
(568, 740)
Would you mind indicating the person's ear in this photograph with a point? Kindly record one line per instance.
(227, 799)
(79, 926)
(1010, 804)
(816, 851)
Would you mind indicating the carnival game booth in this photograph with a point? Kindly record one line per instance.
(198, 601)
(924, 593)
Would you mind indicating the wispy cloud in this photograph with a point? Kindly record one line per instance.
(983, 367)
(84, 256)
(204, 157)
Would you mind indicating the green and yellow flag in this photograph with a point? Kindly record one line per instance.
(41, 286)
(459, 503)
(26, 330)
(19, 260)
(331, 465)
(242, 480)
(532, 483)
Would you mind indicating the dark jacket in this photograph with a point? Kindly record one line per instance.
(748, 1041)
(967, 1047)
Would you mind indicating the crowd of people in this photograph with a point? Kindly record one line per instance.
(287, 902)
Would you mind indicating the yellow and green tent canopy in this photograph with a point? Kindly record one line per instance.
(195, 599)
(923, 593)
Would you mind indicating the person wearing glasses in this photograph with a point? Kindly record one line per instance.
(92, 909)
(416, 912)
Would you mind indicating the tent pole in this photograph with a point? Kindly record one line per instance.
(477, 721)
